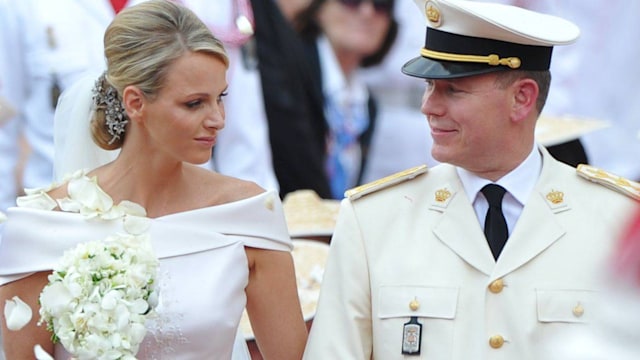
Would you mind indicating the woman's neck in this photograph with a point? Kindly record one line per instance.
(348, 61)
(142, 180)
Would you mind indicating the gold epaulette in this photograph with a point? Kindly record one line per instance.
(615, 182)
(385, 182)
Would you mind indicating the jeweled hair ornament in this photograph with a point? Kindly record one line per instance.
(105, 96)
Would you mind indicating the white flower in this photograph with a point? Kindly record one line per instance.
(45, 189)
(100, 293)
(58, 297)
(87, 198)
(98, 297)
(137, 224)
(40, 200)
(17, 313)
(84, 196)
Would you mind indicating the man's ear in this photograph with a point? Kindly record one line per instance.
(525, 96)
(133, 100)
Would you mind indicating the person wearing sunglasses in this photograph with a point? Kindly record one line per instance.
(325, 147)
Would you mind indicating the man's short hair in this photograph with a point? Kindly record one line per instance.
(542, 78)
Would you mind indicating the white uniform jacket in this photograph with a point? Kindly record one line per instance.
(416, 249)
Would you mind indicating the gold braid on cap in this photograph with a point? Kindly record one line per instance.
(493, 59)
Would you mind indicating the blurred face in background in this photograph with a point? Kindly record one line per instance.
(354, 27)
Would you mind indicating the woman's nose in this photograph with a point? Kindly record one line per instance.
(216, 118)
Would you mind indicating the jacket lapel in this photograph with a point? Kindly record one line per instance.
(536, 230)
(538, 227)
(458, 226)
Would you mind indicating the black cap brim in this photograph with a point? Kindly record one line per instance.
(425, 68)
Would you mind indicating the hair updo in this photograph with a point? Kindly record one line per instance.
(140, 45)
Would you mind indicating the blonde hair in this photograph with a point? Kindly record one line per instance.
(140, 45)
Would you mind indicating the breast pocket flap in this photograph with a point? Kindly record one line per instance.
(420, 301)
(560, 305)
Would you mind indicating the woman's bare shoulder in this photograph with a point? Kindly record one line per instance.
(221, 189)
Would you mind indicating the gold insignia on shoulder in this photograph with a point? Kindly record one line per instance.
(433, 14)
(555, 197)
(385, 182)
(269, 202)
(614, 182)
(442, 195)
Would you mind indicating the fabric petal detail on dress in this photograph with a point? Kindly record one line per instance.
(17, 313)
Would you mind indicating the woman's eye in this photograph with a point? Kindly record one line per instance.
(221, 97)
(194, 104)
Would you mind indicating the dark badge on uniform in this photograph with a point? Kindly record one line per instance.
(412, 337)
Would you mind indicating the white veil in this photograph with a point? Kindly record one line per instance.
(74, 147)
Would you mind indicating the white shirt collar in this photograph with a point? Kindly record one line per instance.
(519, 182)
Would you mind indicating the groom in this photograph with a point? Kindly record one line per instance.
(496, 252)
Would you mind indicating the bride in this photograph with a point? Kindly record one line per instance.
(222, 242)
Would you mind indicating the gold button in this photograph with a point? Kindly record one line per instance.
(578, 311)
(496, 341)
(414, 305)
(496, 286)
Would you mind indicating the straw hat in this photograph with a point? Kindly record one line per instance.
(309, 258)
(552, 130)
(309, 215)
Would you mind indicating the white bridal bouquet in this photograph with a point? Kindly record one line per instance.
(97, 298)
(100, 292)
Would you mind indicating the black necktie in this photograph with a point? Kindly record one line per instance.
(495, 225)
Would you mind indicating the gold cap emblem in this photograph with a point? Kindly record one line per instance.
(433, 14)
(442, 195)
(555, 197)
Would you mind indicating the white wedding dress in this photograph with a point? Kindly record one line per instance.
(203, 264)
(203, 267)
